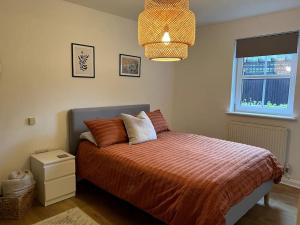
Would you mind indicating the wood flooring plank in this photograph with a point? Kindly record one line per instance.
(109, 210)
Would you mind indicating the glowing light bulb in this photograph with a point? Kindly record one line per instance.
(166, 39)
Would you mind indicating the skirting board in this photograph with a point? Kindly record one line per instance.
(291, 182)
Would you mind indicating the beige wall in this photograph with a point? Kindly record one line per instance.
(203, 82)
(35, 53)
(36, 77)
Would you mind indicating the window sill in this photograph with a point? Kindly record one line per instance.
(293, 118)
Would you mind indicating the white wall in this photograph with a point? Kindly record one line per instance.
(203, 82)
(35, 53)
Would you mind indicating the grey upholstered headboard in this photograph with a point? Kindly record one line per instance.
(77, 117)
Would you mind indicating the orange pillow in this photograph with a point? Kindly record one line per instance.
(107, 131)
(158, 121)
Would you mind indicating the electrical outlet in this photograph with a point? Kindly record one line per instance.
(31, 121)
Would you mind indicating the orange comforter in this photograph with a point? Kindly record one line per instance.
(182, 179)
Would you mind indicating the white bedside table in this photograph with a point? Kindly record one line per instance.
(55, 175)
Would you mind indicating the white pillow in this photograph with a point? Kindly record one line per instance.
(88, 136)
(139, 129)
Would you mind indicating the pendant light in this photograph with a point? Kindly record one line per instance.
(166, 28)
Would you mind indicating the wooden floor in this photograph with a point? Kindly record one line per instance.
(109, 210)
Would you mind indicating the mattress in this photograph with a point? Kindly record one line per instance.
(179, 178)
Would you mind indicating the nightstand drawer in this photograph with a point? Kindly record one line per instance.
(59, 187)
(56, 170)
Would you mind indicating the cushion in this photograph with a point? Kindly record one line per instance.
(158, 121)
(139, 129)
(107, 131)
(88, 136)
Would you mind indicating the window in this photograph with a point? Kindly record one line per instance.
(264, 84)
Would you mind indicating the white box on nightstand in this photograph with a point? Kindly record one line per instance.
(54, 172)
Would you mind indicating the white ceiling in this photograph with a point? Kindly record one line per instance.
(207, 11)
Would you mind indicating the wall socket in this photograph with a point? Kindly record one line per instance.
(31, 121)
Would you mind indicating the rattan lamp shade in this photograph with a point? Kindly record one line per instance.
(166, 28)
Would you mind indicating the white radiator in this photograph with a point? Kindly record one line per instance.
(272, 138)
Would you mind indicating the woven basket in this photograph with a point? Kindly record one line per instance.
(16, 207)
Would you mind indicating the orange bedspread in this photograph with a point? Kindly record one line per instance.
(182, 179)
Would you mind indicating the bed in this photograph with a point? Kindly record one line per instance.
(179, 178)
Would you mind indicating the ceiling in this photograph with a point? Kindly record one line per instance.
(207, 11)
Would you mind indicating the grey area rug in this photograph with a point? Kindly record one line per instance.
(73, 216)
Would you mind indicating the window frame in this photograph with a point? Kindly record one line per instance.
(237, 89)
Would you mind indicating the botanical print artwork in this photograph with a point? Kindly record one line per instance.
(83, 60)
(130, 65)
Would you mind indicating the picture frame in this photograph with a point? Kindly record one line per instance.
(129, 65)
(83, 60)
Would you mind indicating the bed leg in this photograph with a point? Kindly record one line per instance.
(267, 199)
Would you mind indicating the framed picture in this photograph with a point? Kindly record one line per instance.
(83, 61)
(130, 66)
